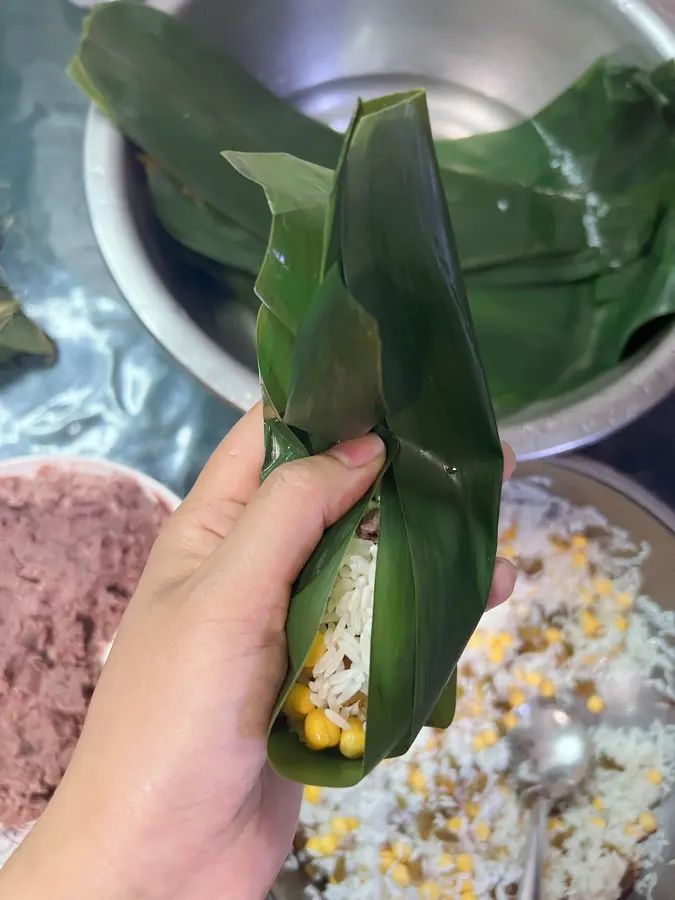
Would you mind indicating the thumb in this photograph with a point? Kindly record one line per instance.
(254, 569)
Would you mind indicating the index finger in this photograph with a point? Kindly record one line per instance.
(222, 492)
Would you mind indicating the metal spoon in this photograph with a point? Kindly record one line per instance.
(550, 756)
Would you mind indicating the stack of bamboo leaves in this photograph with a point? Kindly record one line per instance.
(564, 223)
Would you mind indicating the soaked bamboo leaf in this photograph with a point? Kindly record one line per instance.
(182, 102)
(20, 338)
(385, 342)
(198, 226)
(606, 140)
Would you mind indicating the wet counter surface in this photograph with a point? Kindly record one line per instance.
(114, 391)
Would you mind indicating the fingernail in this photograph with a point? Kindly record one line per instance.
(359, 452)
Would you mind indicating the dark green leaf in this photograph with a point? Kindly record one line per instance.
(20, 337)
(607, 140)
(200, 227)
(520, 332)
(401, 266)
(385, 342)
(297, 193)
(183, 103)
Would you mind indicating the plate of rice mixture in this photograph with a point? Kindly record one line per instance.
(591, 623)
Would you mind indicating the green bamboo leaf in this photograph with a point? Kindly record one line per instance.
(275, 346)
(397, 241)
(21, 338)
(519, 331)
(352, 403)
(443, 713)
(182, 103)
(198, 226)
(498, 223)
(297, 193)
(387, 342)
(607, 139)
(393, 654)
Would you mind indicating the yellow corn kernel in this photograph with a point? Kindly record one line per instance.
(511, 533)
(507, 551)
(595, 704)
(516, 697)
(401, 875)
(510, 720)
(298, 703)
(597, 803)
(445, 861)
(475, 708)
(490, 737)
(353, 823)
(555, 824)
(466, 887)
(340, 826)
(603, 587)
(430, 891)
(455, 824)
(547, 688)
(589, 623)
(505, 639)
(402, 851)
(597, 821)
(465, 862)
(654, 777)
(471, 808)
(477, 640)
(579, 559)
(483, 831)
(579, 541)
(387, 860)
(323, 845)
(417, 781)
(316, 651)
(478, 743)
(353, 742)
(631, 831)
(469, 896)
(312, 793)
(554, 635)
(534, 679)
(496, 654)
(625, 601)
(622, 623)
(320, 732)
(647, 822)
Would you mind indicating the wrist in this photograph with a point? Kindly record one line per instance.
(61, 866)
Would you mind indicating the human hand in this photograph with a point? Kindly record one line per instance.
(168, 795)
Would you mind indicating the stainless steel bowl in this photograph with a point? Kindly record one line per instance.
(484, 63)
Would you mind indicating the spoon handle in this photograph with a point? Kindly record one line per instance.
(535, 852)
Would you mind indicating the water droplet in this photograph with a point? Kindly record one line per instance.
(503, 204)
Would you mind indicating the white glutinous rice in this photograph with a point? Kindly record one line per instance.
(339, 681)
(444, 821)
